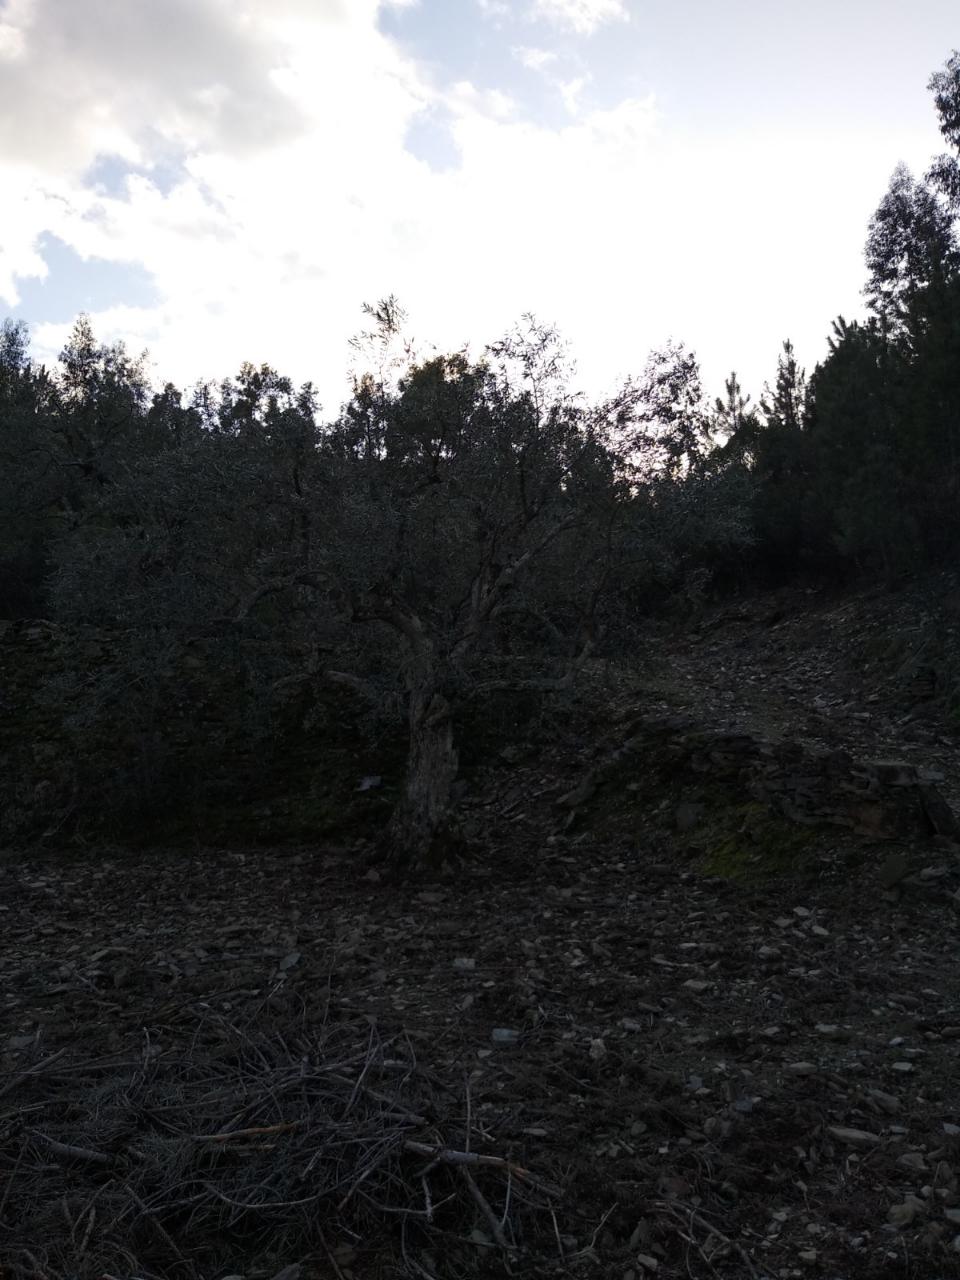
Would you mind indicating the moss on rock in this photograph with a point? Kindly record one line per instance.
(750, 843)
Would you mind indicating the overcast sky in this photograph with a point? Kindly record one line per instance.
(222, 180)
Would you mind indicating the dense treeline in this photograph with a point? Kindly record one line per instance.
(462, 529)
(469, 526)
(858, 468)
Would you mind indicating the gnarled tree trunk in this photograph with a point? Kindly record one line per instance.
(418, 836)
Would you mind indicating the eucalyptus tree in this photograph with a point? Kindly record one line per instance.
(911, 250)
(945, 87)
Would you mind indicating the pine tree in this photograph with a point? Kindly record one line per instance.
(785, 405)
(732, 410)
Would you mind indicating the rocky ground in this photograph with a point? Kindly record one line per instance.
(596, 1051)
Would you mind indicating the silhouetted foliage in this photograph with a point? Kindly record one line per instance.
(859, 468)
(464, 527)
(945, 87)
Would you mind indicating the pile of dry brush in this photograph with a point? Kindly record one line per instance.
(244, 1150)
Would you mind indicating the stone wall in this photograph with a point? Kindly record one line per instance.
(184, 764)
(881, 799)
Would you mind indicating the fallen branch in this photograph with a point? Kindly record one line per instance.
(448, 1155)
(255, 1132)
(688, 1217)
(69, 1152)
(479, 1198)
(31, 1071)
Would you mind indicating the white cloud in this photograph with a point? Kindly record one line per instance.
(82, 77)
(12, 42)
(543, 62)
(570, 91)
(534, 59)
(26, 213)
(616, 226)
(582, 16)
(464, 98)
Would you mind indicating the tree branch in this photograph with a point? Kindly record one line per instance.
(317, 581)
(487, 602)
(356, 683)
(545, 684)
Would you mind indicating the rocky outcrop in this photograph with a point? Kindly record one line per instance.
(881, 799)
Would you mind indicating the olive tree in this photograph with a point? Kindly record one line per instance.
(462, 528)
(468, 498)
(399, 550)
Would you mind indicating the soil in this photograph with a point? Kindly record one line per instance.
(650, 1068)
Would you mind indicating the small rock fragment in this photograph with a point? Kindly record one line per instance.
(860, 1138)
(687, 816)
(885, 1101)
(893, 869)
(504, 1035)
(902, 1215)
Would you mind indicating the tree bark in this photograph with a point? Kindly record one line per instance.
(419, 836)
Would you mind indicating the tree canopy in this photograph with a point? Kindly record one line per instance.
(468, 523)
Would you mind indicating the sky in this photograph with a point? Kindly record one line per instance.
(226, 180)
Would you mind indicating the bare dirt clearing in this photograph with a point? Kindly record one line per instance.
(581, 1055)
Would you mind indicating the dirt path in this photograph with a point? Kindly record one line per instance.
(859, 673)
